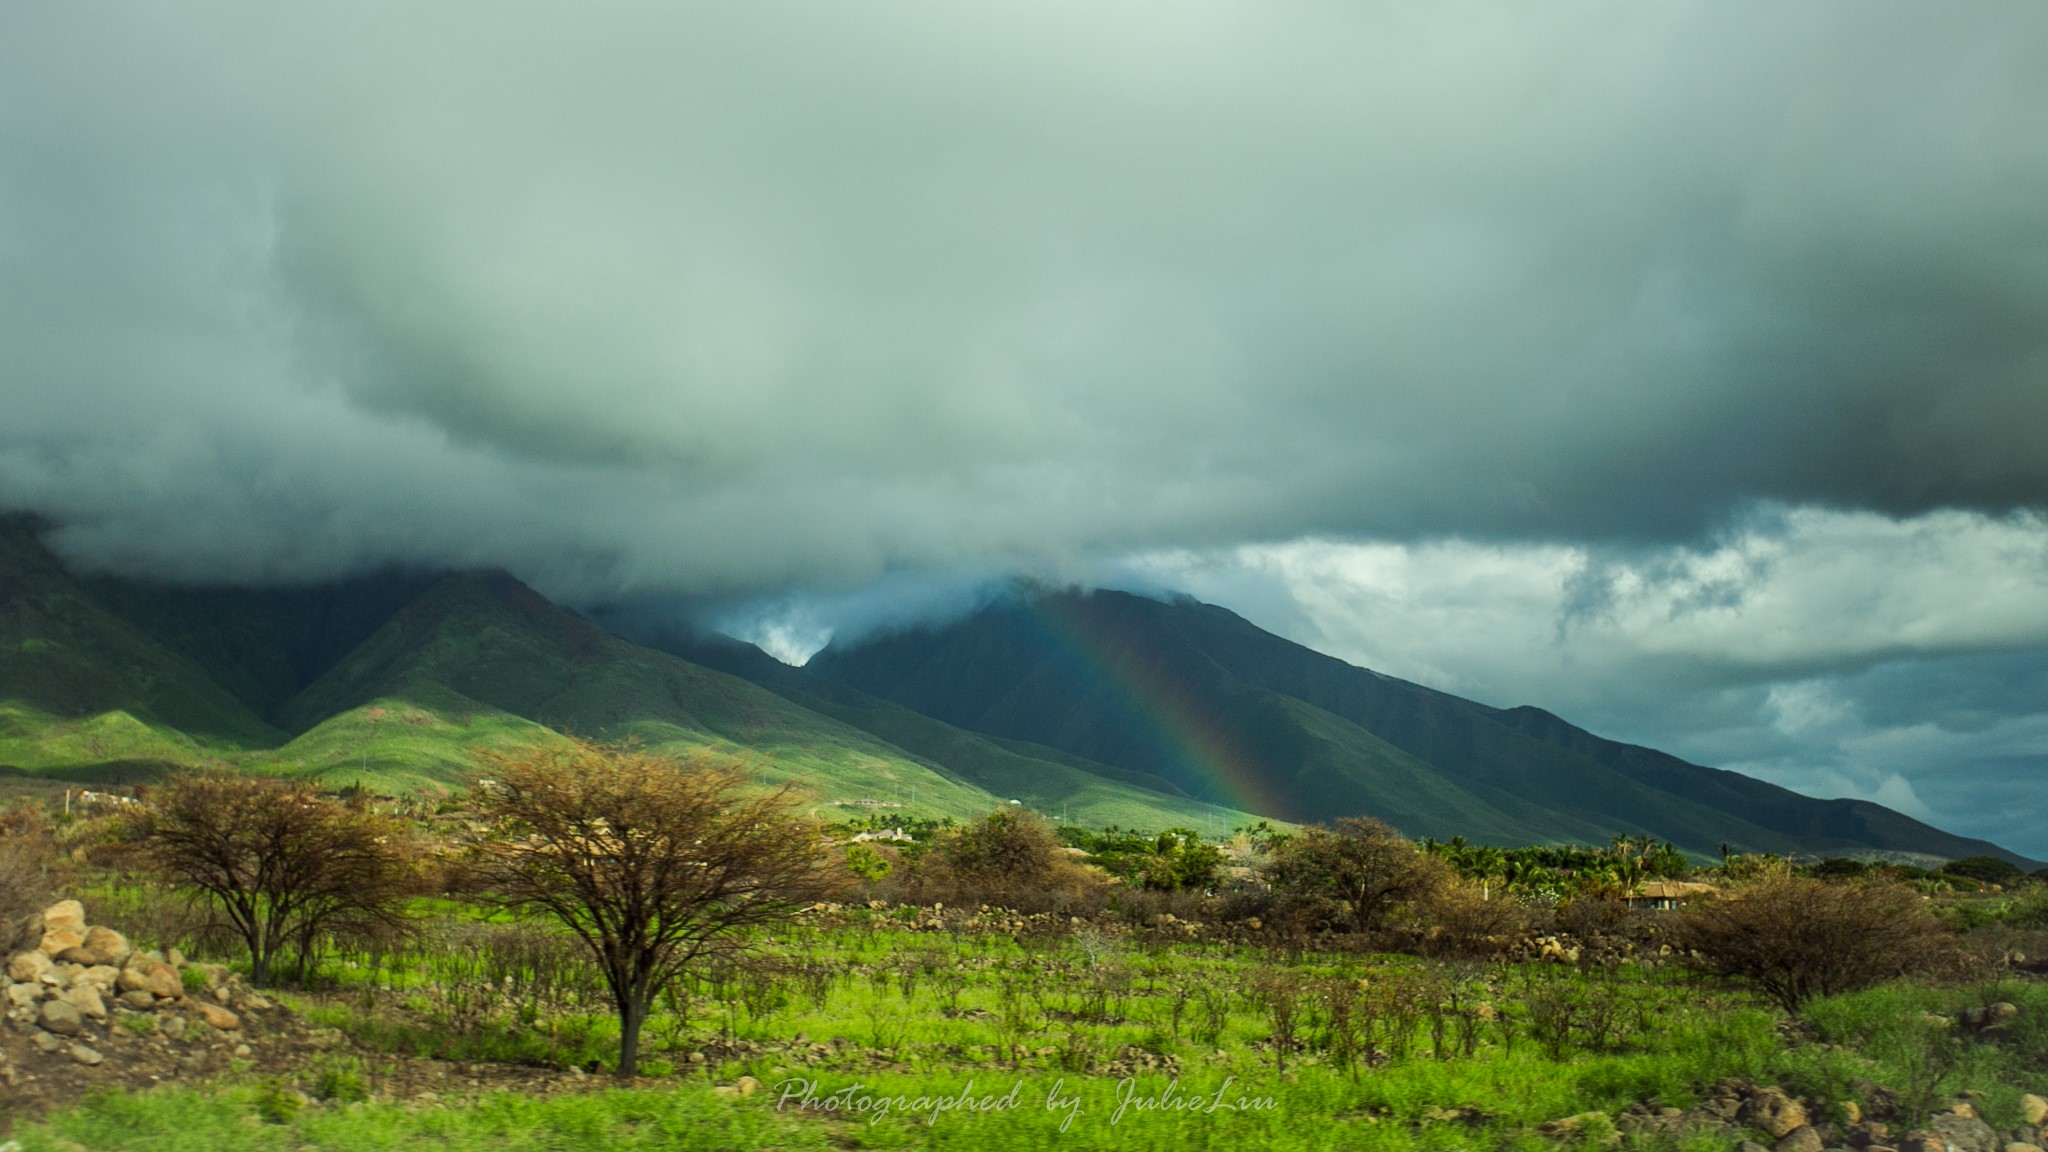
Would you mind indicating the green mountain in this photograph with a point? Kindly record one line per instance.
(1200, 697)
(399, 680)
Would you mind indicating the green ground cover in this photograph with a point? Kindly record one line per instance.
(1354, 1052)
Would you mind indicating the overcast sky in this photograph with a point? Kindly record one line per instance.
(1680, 367)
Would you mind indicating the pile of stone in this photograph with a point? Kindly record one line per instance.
(1766, 1118)
(77, 979)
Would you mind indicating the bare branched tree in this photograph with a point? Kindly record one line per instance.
(281, 862)
(655, 863)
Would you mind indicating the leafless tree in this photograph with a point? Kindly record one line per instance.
(281, 862)
(655, 863)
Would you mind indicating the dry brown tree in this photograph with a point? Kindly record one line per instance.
(284, 864)
(1797, 937)
(656, 863)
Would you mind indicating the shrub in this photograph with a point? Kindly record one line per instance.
(1461, 920)
(1795, 937)
(1354, 875)
(1009, 859)
(28, 865)
(1989, 869)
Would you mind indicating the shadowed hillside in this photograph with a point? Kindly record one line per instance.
(1197, 695)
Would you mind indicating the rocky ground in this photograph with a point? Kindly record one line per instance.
(87, 1013)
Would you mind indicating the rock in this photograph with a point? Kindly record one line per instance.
(255, 1003)
(746, 1085)
(101, 977)
(61, 1017)
(111, 946)
(86, 999)
(173, 1027)
(2016, 1146)
(1852, 1112)
(1803, 1139)
(23, 995)
(28, 967)
(45, 1042)
(2035, 1109)
(1774, 1112)
(219, 1018)
(134, 977)
(138, 999)
(65, 916)
(60, 940)
(1964, 1133)
(164, 982)
(1597, 1125)
(1964, 1108)
(85, 1055)
(81, 955)
(1750, 1146)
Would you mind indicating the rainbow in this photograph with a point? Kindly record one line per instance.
(1179, 723)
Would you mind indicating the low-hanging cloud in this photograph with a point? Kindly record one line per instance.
(712, 299)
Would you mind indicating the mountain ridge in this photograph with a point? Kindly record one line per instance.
(1011, 668)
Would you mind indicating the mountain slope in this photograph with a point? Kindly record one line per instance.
(1064, 786)
(1199, 696)
(64, 658)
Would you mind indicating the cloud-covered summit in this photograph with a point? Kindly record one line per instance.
(710, 299)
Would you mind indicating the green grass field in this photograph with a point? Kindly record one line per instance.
(1078, 1031)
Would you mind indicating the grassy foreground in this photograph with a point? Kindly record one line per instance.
(867, 1032)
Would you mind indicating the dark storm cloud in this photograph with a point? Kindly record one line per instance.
(707, 299)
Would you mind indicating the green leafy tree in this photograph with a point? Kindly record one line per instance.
(1355, 873)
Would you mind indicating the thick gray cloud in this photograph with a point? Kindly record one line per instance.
(713, 298)
(1688, 362)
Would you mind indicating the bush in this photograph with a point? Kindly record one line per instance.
(1353, 876)
(1796, 937)
(1008, 859)
(1461, 920)
(28, 865)
(1989, 869)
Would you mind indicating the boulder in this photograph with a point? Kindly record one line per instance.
(109, 945)
(1774, 1112)
(138, 999)
(1965, 1133)
(28, 967)
(60, 940)
(61, 1017)
(164, 982)
(65, 916)
(86, 999)
(85, 1055)
(220, 1018)
(1802, 1139)
(747, 1085)
(2035, 1109)
(135, 977)
(23, 995)
(100, 976)
(81, 955)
